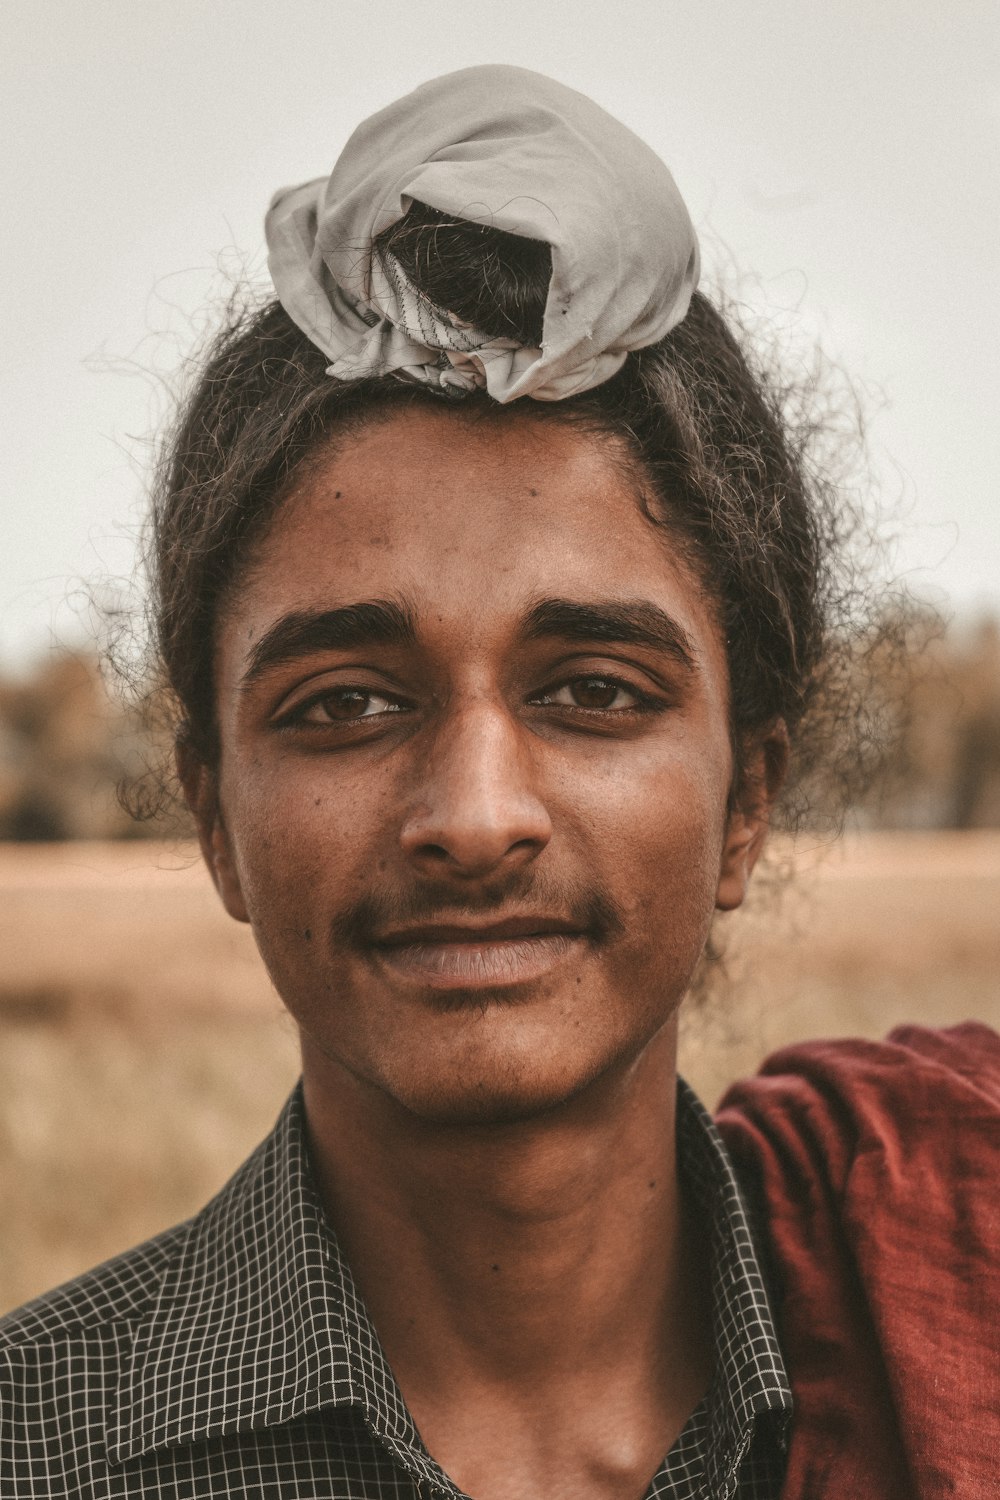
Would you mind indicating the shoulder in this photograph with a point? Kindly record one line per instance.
(125, 1289)
(120, 1291)
(839, 1099)
(872, 1170)
(970, 1051)
(877, 1159)
(63, 1357)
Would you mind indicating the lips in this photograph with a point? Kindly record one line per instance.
(483, 932)
(448, 955)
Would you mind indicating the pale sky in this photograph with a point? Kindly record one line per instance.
(842, 155)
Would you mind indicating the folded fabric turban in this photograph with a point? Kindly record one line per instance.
(505, 147)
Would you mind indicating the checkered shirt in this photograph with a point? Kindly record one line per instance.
(231, 1356)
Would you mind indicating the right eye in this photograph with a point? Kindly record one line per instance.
(346, 705)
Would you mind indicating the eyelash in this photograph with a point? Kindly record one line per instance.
(644, 703)
(296, 717)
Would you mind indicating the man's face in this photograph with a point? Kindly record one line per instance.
(474, 783)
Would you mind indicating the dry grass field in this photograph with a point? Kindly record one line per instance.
(143, 1052)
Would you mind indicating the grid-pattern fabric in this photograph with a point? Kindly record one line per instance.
(733, 1446)
(231, 1356)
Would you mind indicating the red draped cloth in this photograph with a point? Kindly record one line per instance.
(875, 1169)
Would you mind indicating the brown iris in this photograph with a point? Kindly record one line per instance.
(595, 692)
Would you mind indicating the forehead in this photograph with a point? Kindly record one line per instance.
(464, 514)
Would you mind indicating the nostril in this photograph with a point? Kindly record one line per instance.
(468, 850)
(434, 852)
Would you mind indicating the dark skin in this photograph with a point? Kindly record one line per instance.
(475, 797)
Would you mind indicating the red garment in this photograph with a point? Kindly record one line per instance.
(875, 1165)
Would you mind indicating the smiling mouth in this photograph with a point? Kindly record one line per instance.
(450, 957)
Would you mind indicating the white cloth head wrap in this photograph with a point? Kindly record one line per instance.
(510, 148)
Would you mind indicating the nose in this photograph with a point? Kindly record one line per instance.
(476, 809)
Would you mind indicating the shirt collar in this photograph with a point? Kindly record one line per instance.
(750, 1389)
(258, 1320)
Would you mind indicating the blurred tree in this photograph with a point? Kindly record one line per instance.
(976, 778)
(942, 767)
(65, 744)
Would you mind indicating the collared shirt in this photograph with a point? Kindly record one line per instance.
(232, 1356)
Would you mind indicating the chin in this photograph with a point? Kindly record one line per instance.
(503, 1091)
(484, 1108)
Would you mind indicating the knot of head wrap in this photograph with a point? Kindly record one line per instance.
(508, 148)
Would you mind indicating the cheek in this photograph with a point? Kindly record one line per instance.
(301, 839)
(655, 832)
(673, 871)
(665, 807)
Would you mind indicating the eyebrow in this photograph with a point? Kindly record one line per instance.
(635, 622)
(386, 622)
(375, 622)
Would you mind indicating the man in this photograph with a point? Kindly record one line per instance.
(484, 705)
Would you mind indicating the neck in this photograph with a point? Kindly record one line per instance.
(533, 1262)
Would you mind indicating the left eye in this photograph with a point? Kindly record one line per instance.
(594, 692)
(345, 706)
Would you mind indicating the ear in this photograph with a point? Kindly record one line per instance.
(765, 766)
(201, 793)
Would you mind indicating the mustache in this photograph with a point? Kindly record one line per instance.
(587, 907)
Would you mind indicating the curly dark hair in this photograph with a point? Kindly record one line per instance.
(730, 468)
